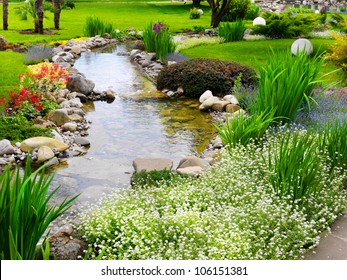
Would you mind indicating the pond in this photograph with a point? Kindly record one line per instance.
(140, 122)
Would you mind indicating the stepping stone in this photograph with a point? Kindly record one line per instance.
(150, 164)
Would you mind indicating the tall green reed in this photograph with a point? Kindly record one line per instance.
(156, 38)
(231, 32)
(242, 129)
(294, 163)
(333, 138)
(95, 26)
(25, 212)
(285, 83)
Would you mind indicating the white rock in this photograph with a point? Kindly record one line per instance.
(44, 153)
(208, 103)
(192, 171)
(231, 98)
(36, 142)
(207, 94)
(70, 126)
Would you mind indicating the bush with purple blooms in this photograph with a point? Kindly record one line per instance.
(37, 54)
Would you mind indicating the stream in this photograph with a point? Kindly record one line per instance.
(140, 122)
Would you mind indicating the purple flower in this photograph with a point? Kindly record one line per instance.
(157, 27)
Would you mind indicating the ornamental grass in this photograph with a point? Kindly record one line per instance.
(25, 212)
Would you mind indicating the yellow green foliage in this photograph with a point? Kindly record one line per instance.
(338, 50)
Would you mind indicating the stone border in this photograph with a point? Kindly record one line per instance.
(69, 123)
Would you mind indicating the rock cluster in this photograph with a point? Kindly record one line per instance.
(228, 103)
(147, 62)
(68, 121)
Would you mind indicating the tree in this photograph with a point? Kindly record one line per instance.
(219, 8)
(57, 10)
(5, 14)
(196, 3)
(40, 16)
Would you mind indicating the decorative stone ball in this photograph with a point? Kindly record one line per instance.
(259, 21)
(300, 45)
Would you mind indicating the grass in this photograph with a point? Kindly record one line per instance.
(25, 211)
(256, 53)
(11, 65)
(176, 15)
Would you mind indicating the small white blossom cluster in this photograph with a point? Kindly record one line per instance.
(230, 212)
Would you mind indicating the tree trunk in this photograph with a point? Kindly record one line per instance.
(39, 16)
(57, 9)
(5, 14)
(196, 3)
(218, 11)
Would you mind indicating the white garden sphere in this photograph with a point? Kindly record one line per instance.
(301, 45)
(259, 21)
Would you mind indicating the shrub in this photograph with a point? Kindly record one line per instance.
(231, 32)
(196, 76)
(25, 212)
(95, 26)
(17, 128)
(68, 4)
(37, 54)
(252, 12)
(338, 51)
(286, 25)
(156, 38)
(194, 13)
(154, 178)
(237, 10)
(285, 83)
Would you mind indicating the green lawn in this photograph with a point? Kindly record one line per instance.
(256, 53)
(11, 65)
(121, 15)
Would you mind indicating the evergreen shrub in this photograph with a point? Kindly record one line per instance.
(197, 75)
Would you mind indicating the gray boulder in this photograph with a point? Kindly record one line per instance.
(6, 147)
(64, 246)
(78, 82)
(59, 116)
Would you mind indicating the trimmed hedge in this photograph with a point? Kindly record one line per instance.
(197, 75)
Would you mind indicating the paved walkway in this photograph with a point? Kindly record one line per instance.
(333, 246)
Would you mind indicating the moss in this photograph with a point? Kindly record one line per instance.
(196, 76)
(17, 128)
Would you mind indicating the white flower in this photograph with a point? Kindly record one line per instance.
(201, 12)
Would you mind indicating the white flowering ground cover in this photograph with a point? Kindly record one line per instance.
(230, 212)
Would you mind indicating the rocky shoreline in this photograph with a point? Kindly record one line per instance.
(68, 121)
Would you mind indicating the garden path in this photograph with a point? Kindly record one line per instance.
(333, 245)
